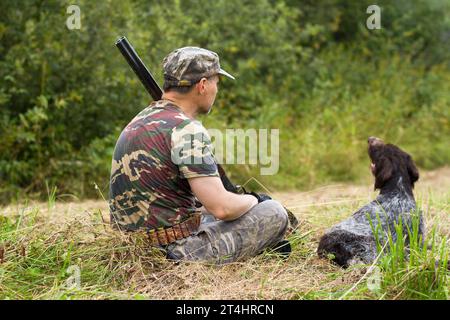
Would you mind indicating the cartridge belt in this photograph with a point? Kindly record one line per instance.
(164, 236)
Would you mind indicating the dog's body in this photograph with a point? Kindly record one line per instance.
(353, 239)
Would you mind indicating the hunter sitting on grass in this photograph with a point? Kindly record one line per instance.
(163, 161)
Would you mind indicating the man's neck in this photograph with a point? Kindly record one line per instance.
(186, 105)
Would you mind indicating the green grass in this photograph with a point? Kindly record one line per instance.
(36, 261)
(413, 267)
(42, 249)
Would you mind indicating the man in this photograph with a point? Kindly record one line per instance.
(163, 161)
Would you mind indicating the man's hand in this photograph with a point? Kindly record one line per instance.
(222, 204)
(260, 196)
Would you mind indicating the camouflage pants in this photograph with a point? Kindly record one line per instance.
(220, 242)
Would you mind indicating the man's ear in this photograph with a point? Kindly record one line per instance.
(201, 86)
(412, 170)
(383, 172)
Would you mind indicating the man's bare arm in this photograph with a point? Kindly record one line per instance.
(222, 204)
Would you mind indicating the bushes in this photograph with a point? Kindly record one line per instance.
(55, 96)
(311, 70)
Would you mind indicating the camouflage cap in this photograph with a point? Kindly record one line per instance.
(186, 66)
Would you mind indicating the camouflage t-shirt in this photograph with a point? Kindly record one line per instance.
(154, 155)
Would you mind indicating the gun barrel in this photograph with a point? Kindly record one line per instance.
(139, 68)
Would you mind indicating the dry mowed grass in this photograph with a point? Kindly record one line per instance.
(115, 265)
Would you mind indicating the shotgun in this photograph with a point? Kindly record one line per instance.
(152, 87)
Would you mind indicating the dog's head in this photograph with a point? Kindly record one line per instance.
(389, 161)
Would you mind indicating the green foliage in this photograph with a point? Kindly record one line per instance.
(311, 69)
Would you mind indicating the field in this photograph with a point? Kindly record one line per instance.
(65, 249)
(319, 72)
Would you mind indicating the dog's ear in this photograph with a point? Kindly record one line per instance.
(412, 170)
(383, 172)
